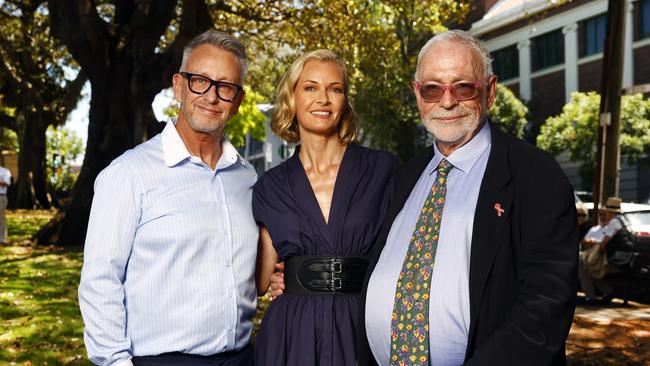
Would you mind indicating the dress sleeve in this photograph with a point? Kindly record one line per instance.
(259, 212)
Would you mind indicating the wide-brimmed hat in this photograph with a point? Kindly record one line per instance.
(613, 204)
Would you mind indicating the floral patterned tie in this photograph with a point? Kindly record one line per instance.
(410, 318)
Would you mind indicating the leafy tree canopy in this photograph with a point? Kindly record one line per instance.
(36, 89)
(508, 112)
(575, 130)
(379, 40)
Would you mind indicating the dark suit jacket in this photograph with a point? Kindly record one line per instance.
(523, 266)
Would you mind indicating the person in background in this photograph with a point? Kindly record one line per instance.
(169, 259)
(593, 257)
(5, 182)
(319, 213)
(584, 224)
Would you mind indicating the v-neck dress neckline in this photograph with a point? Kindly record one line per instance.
(335, 192)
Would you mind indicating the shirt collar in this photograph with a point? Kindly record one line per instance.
(175, 151)
(467, 155)
(229, 155)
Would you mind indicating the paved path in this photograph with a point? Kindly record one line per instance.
(610, 335)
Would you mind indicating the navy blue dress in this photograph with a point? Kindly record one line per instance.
(300, 330)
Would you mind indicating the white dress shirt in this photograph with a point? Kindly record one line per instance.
(599, 232)
(449, 310)
(5, 176)
(170, 254)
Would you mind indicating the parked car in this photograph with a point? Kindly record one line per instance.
(585, 198)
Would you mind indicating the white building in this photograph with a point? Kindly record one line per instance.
(544, 51)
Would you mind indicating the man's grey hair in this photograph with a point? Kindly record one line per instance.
(220, 40)
(465, 38)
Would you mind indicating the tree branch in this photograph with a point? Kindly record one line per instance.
(12, 71)
(78, 25)
(68, 101)
(150, 21)
(195, 19)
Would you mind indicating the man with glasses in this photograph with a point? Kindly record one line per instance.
(477, 258)
(171, 244)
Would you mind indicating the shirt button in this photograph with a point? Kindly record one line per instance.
(227, 264)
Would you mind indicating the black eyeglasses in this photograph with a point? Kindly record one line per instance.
(200, 84)
(463, 90)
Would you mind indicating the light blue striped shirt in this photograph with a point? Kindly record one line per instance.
(449, 315)
(170, 254)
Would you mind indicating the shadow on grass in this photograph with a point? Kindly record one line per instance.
(38, 300)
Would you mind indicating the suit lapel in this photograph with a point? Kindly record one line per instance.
(491, 220)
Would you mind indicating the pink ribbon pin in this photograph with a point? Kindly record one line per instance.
(497, 206)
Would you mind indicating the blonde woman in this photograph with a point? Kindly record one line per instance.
(319, 212)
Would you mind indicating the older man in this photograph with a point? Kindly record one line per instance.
(476, 263)
(171, 244)
(593, 265)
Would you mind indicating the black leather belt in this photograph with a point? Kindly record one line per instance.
(321, 275)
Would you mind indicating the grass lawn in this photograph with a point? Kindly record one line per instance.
(41, 322)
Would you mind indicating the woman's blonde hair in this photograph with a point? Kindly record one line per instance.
(284, 123)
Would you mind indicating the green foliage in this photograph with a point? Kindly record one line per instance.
(379, 40)
(249, 119)
(508, 112)
(8, 140)
(575, 130)
(63, 148)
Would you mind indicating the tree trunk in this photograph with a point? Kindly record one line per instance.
(125, 72)
(110, 133)
(31, 184)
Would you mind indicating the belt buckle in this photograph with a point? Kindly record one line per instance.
(336, 266)
(336, 283)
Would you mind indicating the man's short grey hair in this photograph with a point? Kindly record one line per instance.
(465, 38)
(220, 40)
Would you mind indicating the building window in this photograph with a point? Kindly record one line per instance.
(644, 19)
(594, 30)
(506, 63)
(548, 49)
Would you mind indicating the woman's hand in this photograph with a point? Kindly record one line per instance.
(277, 281)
